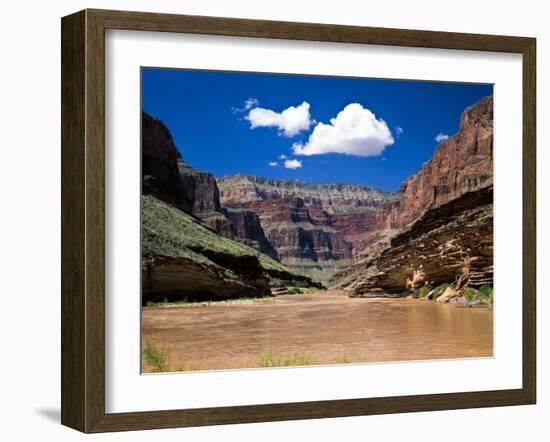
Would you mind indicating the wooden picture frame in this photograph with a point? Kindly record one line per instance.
(83, 220)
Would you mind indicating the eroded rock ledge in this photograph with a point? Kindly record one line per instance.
(452, 243)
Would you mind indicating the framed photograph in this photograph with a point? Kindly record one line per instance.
(267, 221)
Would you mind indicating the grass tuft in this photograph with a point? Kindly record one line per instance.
(266, 358)
(185, 302)
(295, 290)
(155, 358)
(422, 292)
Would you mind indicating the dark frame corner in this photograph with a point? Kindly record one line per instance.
(83, 216)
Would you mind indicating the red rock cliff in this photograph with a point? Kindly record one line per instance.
(313, 227)
(461, 164)
(443, 220)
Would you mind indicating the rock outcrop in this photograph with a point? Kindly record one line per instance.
(183, 257)
(452, 243)
(461, 164)
(442, 224)
(333, 198)
(317, 229)
(203, 191)
(159, 165)
(246, 227)
(187, 246)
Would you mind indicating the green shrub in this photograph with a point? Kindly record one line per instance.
(438, 291)
(486, 294)
(295, 290)
(155, 358)
(470, 293)
(422, 292)
(486, 290)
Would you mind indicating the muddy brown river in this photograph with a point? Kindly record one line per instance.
(320, 328)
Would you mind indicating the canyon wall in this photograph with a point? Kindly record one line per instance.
(191, 245)
(316, 229)
(322, 229)
(442, 225)
(437, 228)
(166, 176)
(461, 164)
(181, 256)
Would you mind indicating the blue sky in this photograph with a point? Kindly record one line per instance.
(349, 130)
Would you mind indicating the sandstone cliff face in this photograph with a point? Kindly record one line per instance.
(442, 224)
(333, 198)
(313, 227)
(461, 164)
(452, 243)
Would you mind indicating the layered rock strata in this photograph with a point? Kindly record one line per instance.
(452, 243)
(183, 257)
(317, 229)
(442, 223)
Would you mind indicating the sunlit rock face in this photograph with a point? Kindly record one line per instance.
(442, 225)
(461, 164)
(318, 229)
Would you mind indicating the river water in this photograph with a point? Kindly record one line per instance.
(323, 328)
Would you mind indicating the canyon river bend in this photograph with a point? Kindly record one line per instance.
(325, 327)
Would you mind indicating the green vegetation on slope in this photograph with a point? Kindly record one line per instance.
(295, 291)
(169, 232)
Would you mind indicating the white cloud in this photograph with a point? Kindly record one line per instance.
(290, 121)
(248, 104)
(293, 164)
(354, 131)
(273, 163)
(283, 156)
(441, 137)
(398, 130)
